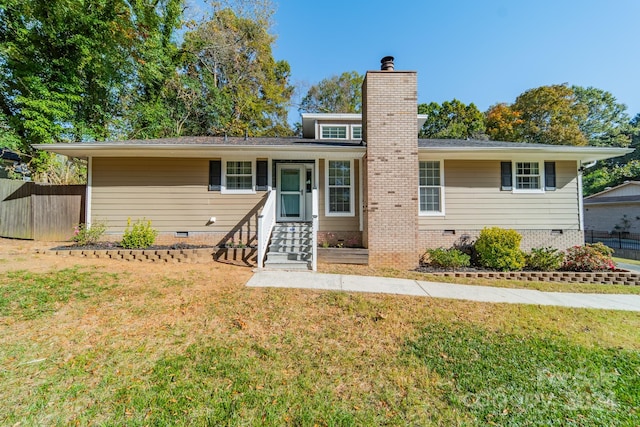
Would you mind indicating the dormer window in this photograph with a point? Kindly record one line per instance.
(333, 132)
(356, 131)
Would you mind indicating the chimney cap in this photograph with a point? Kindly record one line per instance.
(387, 63)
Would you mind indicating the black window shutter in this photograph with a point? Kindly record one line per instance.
(505, 173)
(215, 175)
(550, 176)
(262, 167)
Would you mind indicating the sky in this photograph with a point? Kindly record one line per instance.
(480, 52)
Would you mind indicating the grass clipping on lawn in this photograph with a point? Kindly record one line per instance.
(121, 344)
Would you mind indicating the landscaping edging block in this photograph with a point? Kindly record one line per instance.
(606, 277)
(242, 256)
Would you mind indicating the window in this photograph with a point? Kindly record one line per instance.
(356, 132)
(239, 175)
(333, 132)
(430, 186)
(529, 176)
(339, 197)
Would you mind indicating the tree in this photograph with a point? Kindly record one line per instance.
(607, 123)
(551, 115)
(66, 66)
(503, 123)
(230, 73)
(336, 94)
(598, 179)
(452, 120)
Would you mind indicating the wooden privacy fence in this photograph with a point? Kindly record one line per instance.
(40, 211)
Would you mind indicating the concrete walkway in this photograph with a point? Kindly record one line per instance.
(338, 282)
(630, 267)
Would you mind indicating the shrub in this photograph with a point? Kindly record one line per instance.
(590, 257)
(448, 258)
(84, 235)
(140, 236)
(499, 249)
(544, 259)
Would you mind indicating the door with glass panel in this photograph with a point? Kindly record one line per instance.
(291, 192)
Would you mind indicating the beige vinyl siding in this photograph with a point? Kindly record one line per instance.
(172, 193)
(338, 223)
(473, 200)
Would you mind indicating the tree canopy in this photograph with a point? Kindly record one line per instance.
(95, 70)
(607, 123)
(452, 120)
(336, 94)
(551, 115)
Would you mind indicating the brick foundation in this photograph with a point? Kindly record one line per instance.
(347, 239)
(530, 239)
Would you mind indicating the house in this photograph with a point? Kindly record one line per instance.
(11, 161)
(615, 209)
(353, 180)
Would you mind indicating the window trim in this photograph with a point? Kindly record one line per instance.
(327, 187)
(223, 187)
(441, 212)
(327, 125)
(353, 128)
(514, 177)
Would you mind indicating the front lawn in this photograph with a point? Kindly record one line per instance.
(176, 345)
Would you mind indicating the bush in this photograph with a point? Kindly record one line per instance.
(499, 249)
(448, 258)
(590, 257)
(544, 259)
(140, 236)
(84, 235)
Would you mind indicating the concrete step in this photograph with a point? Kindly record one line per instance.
(291, 236)
(288, 256)
(290, 247)
(287, 265)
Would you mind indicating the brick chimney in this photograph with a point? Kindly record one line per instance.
(390, 130)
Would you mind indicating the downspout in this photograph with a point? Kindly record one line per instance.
(581, 169)
(87, 204)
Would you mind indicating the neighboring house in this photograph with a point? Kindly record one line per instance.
(11, 161)
(359, 180)
(615, 209)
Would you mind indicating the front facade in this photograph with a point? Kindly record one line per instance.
(360, 181)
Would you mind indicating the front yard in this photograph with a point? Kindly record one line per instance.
(102, 342)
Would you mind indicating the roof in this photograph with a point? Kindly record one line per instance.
(309, 121)
(487, 150)
(203, 147)
(620, 200)
(207, 146)
(616, 195)
(6, 154)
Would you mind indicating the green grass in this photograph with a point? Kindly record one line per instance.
(626, 261)
(515, 380)
(199, 348)
(25, 295)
